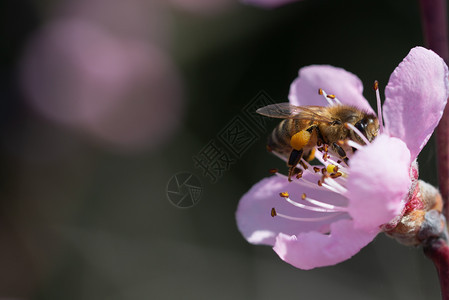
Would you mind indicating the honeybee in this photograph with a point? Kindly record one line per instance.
(305, 127)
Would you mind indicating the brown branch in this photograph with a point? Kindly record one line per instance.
(434, 23)
(438, 252)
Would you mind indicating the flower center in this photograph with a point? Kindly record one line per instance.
(331, 176)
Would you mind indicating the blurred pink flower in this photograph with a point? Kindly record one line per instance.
(330, 222)
(122, 90)
(147, 20)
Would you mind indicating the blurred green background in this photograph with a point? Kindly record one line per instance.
(84, 207)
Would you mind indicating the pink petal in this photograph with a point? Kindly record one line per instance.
(378, 182)
(346, 86)
(253, 213)
(416, 95)
(310, 250)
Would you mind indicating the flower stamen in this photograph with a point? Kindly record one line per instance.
(303, 182)
(322, 204)
(330, 161)
(274, 213)
(332, 183)
(331, 99)
(312, 208)
(379, 106)
(353, 128)
(354, 145)
(336, 175)
(284, 194)
(331, 168)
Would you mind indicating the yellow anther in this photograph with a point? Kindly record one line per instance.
(376, 85)
(300, 139)
(331, 168)
(303, 196)
(284, 194)
(334, 172)
(273, 212)
(320, 91)
(331, 96)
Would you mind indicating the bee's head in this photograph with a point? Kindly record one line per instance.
(369, 126)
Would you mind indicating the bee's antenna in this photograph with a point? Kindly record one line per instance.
(379, 106)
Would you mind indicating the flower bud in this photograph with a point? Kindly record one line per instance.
(421, 219)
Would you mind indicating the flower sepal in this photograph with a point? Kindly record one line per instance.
(422, 219)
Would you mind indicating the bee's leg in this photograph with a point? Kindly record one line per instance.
(293, 161)
(309, 155)
(341, 152)
(320, 138)
(314, 131)
(298, 141)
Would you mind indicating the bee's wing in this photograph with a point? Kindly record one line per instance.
(289, 111)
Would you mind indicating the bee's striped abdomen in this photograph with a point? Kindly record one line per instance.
(279, 140)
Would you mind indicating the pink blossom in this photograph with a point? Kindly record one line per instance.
(322, 225)
(103, 69)
(124, 92)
